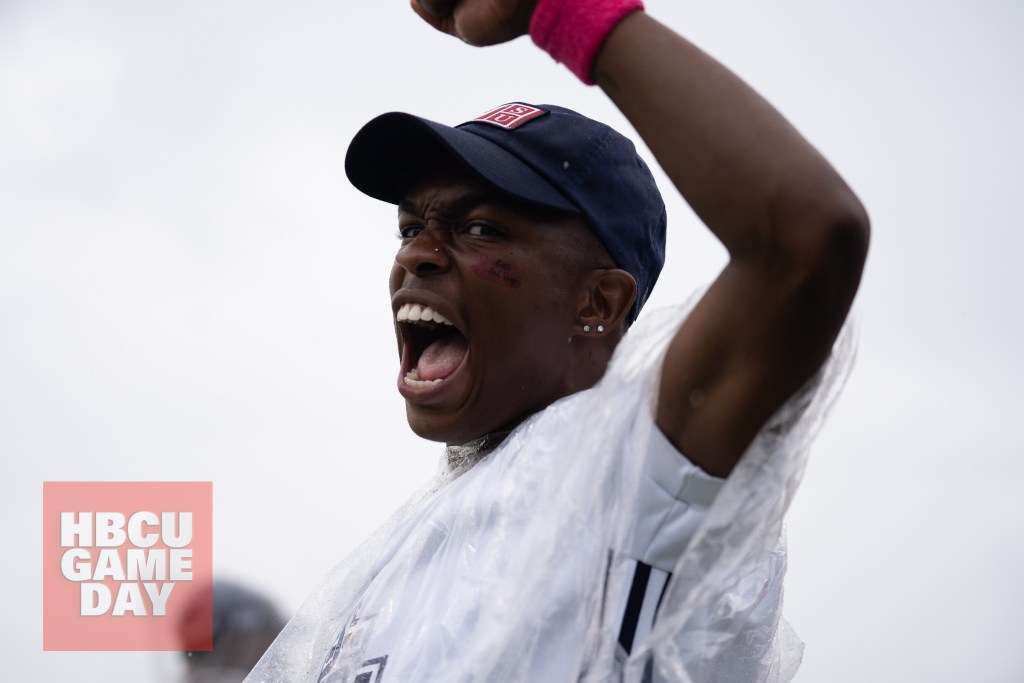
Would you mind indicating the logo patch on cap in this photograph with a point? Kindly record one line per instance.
(510, 116)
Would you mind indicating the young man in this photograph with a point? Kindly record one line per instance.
(582, 527)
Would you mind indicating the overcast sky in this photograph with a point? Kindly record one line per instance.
(189, 290)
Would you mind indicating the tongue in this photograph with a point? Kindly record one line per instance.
(442, 357)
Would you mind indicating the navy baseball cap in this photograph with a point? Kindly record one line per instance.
(541, 154)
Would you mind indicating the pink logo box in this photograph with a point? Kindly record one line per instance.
(127, 565)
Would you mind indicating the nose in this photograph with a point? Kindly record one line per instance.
(425, 253)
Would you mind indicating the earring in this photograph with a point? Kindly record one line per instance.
(586, 328)
(600, 328)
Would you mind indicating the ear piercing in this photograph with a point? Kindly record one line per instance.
(600, 328)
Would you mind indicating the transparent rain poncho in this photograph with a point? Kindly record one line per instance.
(507, 552)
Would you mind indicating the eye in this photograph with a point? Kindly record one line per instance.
(482, 230)
(408, 232)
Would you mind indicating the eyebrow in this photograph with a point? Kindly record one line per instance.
(465, 203)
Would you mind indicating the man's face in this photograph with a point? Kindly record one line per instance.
(502, 285)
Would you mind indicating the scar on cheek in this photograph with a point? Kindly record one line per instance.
(502, 272)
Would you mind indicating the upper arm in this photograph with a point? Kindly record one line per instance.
(763, 328)
(796, 235)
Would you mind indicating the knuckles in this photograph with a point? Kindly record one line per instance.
(438, 9)
(477, 22)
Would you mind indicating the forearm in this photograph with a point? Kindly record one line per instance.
(750, 176)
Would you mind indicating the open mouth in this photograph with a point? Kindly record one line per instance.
(433, 348)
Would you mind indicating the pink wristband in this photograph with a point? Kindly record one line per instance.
(572, 31)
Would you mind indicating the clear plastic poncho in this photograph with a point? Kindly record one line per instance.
(507, 552)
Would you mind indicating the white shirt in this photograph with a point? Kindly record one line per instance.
(671, 501)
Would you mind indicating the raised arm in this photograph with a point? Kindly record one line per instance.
(796, 235)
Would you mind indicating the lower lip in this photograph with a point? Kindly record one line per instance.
(432, 394)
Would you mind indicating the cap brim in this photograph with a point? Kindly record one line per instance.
(389, 153)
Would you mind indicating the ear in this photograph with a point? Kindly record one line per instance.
(606, 300)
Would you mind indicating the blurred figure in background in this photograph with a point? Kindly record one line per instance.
(245, 623)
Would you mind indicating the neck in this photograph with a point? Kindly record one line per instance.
(463, 456)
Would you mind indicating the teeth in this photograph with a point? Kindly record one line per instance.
(418, 313)
(412, 378)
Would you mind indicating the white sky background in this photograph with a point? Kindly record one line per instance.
(190, 290)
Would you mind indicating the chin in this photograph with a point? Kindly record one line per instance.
(436, 428)
(445, 429)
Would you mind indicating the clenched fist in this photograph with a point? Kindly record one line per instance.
(478, 22)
